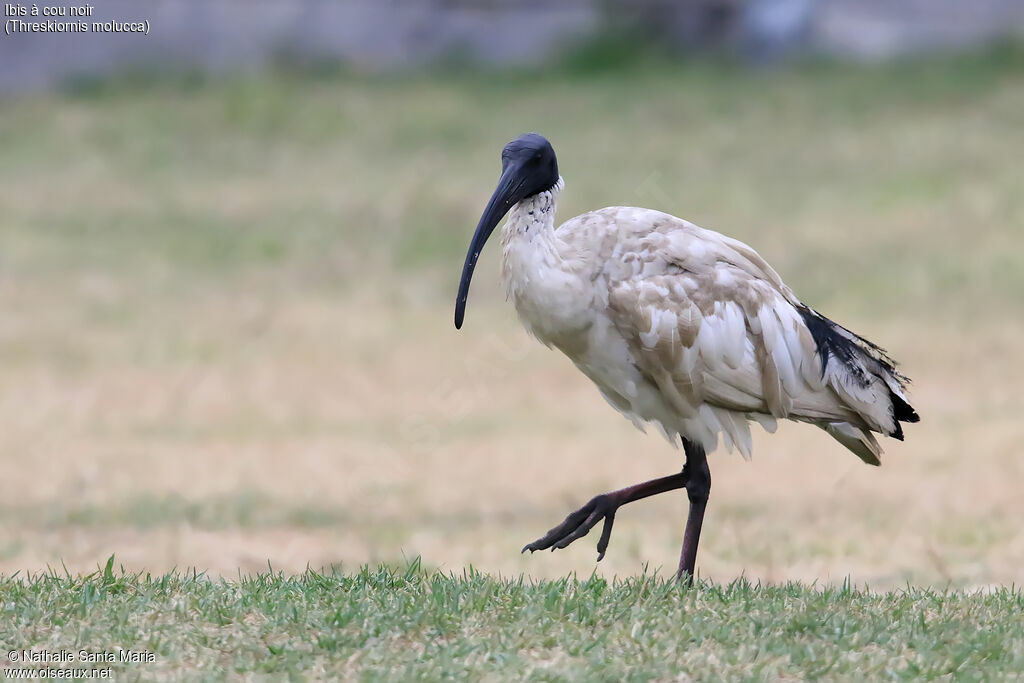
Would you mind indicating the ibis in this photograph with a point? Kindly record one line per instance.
(679, 327)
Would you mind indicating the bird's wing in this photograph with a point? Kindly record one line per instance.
(715, 327)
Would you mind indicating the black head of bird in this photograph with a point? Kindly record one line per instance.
(528, 167)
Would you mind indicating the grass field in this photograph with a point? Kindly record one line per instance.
(227, 340)
(407, 624)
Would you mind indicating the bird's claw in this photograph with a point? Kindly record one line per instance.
(578, 524)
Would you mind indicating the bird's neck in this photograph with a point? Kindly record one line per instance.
(538, 279)
(532, 220)
(528, 238)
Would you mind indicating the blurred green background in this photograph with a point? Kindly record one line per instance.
(226, 334)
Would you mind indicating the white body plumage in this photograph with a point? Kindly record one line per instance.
(691, 330)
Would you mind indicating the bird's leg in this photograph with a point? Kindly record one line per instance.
(697, 475)
(579, 523)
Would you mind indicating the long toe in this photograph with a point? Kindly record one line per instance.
(578, 524)
(561, 531)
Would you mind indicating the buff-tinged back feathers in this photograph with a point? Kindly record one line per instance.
(692, 330)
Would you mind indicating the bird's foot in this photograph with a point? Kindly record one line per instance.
(579, 523)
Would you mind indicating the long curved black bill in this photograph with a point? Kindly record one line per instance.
(507, 193)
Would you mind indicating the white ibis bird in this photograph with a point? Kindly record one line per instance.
(678, 326)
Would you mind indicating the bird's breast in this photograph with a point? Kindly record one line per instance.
(552, 301)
